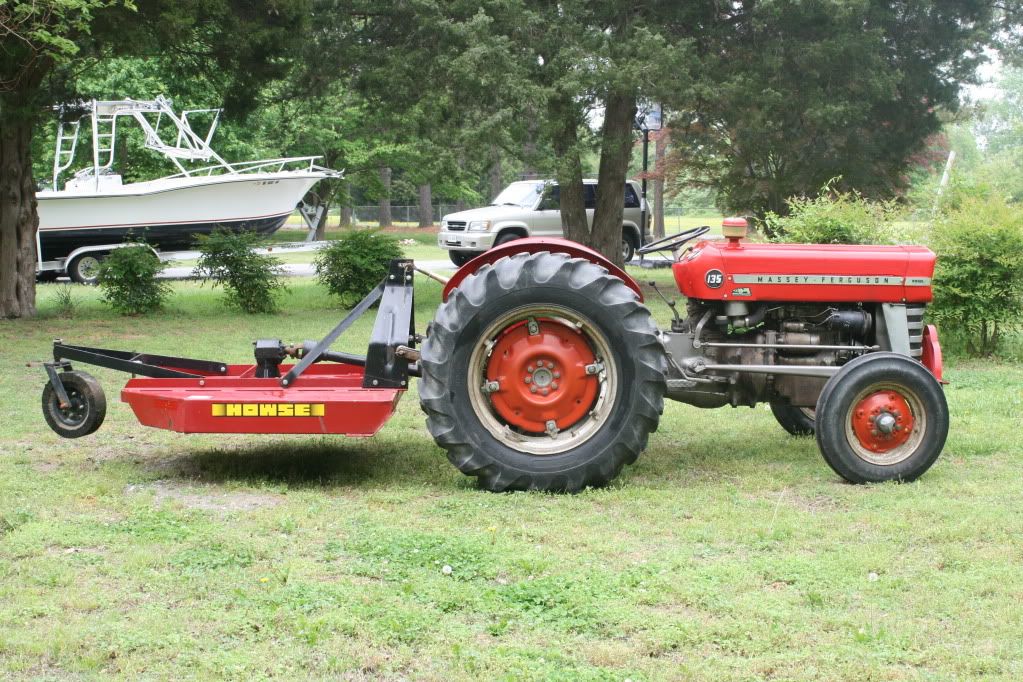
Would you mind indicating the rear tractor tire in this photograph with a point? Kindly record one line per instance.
(882, 417)
(542, 372)
(87, 408)
(798, 421)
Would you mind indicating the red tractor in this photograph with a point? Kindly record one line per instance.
(543, 370)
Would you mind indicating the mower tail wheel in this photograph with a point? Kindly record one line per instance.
(542, 372)
(882, 417)
(799, 421)
(86, 410)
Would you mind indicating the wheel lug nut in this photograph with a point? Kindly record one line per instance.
(554, 384)
(545, 391)
(532, 389)
(557, 375)
(550, 365)
(528, 379)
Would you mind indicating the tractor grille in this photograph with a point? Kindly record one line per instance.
(915, 318)
(456, 225)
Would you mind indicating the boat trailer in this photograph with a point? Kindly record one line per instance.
(324, 391)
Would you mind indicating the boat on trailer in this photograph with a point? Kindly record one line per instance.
(95, 211)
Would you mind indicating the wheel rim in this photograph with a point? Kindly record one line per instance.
(542, 379)
(886, 424)
(75, 414)
(88, 267)
(625, 249)
(809, 412)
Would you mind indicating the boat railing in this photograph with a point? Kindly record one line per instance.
(296, 163)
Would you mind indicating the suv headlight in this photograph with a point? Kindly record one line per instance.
(479, 226)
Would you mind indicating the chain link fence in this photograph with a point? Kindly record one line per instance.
(406, 215)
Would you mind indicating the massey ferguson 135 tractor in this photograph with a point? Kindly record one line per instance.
(542, 369)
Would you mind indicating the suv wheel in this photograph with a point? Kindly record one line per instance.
(460, 258)
(628, 249)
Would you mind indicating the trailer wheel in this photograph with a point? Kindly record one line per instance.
(87, 409)
(799, 421)
(84, 269)
(882, 417)
(542, 372)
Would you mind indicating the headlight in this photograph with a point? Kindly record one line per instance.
(479, 226)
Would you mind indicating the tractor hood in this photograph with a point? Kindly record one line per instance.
(743, 271)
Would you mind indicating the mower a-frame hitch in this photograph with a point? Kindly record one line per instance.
(352, 395)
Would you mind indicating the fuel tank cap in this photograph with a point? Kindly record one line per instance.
(734, 228)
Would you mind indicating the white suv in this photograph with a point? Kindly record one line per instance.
(530, 208)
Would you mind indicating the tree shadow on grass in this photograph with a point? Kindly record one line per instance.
(317, 464)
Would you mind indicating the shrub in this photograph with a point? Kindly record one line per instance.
(978, 281)
(252, 281)
(352, 265)
(835, 218)
(127, 277)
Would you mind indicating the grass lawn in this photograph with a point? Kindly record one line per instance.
(729, 551)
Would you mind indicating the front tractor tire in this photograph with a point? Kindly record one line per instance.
(798, 421)
(542, 372)
(882, 417)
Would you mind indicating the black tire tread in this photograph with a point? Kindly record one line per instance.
(792, 419)
(481, 289)
(831, 426)
(86, 384)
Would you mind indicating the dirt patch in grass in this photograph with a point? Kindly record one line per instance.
(205, 498)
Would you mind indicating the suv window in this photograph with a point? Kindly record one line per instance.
(551, 199)
(631, 200)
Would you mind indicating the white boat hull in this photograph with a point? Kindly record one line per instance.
(169, 213)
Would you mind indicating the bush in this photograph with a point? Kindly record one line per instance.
(978, 281)
(835, 218)
(352, 265)
(127, 277)
(252, 281)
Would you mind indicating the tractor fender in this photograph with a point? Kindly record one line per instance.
(539, 245)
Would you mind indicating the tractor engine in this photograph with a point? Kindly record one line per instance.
(775, 339)
(772, 322)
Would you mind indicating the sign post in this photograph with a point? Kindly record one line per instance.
(648, 117)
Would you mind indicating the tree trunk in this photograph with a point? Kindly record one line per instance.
(496, 174)
(425, 206)
(615, 153)
(660, 147)
(346, 216)
(18, 220)
(385, 199)
(321, 225)
(566, 119)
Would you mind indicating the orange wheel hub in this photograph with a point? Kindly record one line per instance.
(540, 370)
(882, 421)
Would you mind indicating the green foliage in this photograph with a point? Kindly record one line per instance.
(833, 218)
(127, 277)
(978, 281)
(857, 96)
(65, 300)
(352, 265)
(251, 280)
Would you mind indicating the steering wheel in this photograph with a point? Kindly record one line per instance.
(674, 241)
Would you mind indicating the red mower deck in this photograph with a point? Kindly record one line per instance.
(328, 399)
